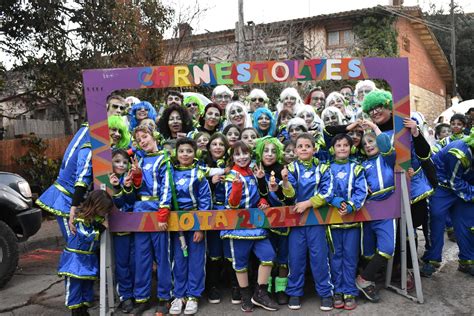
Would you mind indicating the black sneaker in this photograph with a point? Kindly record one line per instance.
(140, 308)
(466, 268)
(236, 296)
(294, 303)
(326, 304)
(282, 298)
(338, 300)
(368, 289)
(162, 308)
(247, 305)
(262, 299)
(214, 296)
(127, 306)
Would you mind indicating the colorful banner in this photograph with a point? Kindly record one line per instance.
(100, 83)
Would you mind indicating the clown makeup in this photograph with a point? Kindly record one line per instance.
(338, 103)
(289, 153)
(237, 116)
(222, 100)
(304, 149)
(263, 122)
(269, 156)
(342, 149)
(115, 135)
(202, 141)
(185, 154)
(249, 137)
(256, 102)
(370, 145)
(141, 113)
(317, 100)
(457, 126)
(217, 148)
(211, 118)
(119, 164)
(289, 103)
(241, 159)
(362, 92)
(331, 119)
(307, 117)
(232, 135)
(146, 141)
(295, 131)
(175, 123)
(148, 122)
(346, 93)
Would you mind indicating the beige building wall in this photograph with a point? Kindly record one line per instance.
(426, 102)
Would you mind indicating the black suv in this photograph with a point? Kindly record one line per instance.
(18, 221)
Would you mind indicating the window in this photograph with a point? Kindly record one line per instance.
(340, 38)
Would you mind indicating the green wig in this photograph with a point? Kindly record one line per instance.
(194, 99)
(117, 122)
(260, 146)
(377, 98)
(470, 139)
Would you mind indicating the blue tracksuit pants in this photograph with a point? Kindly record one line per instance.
(124, 252)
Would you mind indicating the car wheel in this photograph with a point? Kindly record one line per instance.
(8, 253)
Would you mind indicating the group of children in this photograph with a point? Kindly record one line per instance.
(238, 168)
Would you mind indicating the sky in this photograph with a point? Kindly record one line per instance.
(222, 14)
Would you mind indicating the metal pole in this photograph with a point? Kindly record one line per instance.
(453, 49)
(240, 32)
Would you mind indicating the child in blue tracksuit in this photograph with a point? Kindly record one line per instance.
(269, 152)
(350, 192)
(311, 184)
(242, 193)
(75, 176)
(378, 244)
(124, 250)
(79, 263)
(454, 195)
(192, 193)
(151, 182)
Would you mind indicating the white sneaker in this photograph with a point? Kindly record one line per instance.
(191, 307)
(176, 306)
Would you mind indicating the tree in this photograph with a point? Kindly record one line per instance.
(464, 46)
(53, 40)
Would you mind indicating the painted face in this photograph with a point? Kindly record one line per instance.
(119, 164)
(456, 126)
(342, 149)
(217, 148)
(173, 100)
(115, 135)
(269, 156)
(146, 141)
(232, 135)
(285, 118)
(222, 100)
(241, 159)
(380, 115)
(346, 93)
(249, 137)
(202, 142)
(331, 119)
(362, 92)
(317, 100)
(356, 135)
(289, 103)
(175, 123)
(307, 117)
(116, 107)
(445, 132)
(193, 109)
(256, 102)
(185, 154)
(141, 113)
(338, 103)
(148, 122)
(212, 118)
(289, 154)
(370, 146)
(263, 122)
(304, 149)
(294, 131)
(237, 116)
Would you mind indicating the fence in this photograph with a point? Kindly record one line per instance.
(41, 128)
